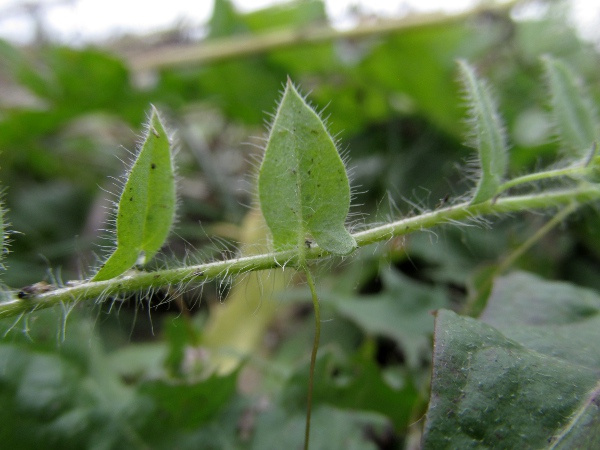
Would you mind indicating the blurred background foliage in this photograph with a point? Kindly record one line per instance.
(226, 365)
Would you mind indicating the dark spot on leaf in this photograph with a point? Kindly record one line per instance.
(130, 199)
(153, 166)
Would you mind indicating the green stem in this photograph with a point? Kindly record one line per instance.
(475, 303)
(135, 281)
(313, 355)
(539, 234)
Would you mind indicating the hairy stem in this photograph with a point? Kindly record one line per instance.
(475, 303)
(134, 281)
(313, 355)
(573, 171)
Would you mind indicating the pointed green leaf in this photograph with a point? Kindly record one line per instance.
(574, 114)
(487, 134)
(302, 185)
(147, 205)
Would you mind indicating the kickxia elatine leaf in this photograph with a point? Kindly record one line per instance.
(302, 185)
(146, 208)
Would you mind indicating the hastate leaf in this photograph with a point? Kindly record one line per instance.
(487, 134)
(574, 115)
(302, 185)
(146, 209)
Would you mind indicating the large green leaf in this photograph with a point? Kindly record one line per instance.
(146, 208)
(302, 185)
(554, 318)
(531, 381)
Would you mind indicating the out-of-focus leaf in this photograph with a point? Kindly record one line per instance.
(401, 312)
(146, 208)
(539, 369)
(60, 394)
(332, 429)
(187, 405)
(353, 384)
(426, 85)
(302, 184)
(236, 328)
(225, 20)
(294, 14)
(243, 98)
(574, 115)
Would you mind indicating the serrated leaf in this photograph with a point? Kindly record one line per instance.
(487, 134)
(302, 185)
(574, 114)
(146, 208)
(528, 378)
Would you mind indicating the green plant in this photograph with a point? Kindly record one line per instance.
(304, 196)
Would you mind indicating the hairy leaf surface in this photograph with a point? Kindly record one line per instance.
(487, 134)
(574, 115)
(303, 187)
(147, 205)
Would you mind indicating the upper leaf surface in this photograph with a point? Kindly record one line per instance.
(302, 185)
(147, 205)
(538, 365)
(487, 133)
